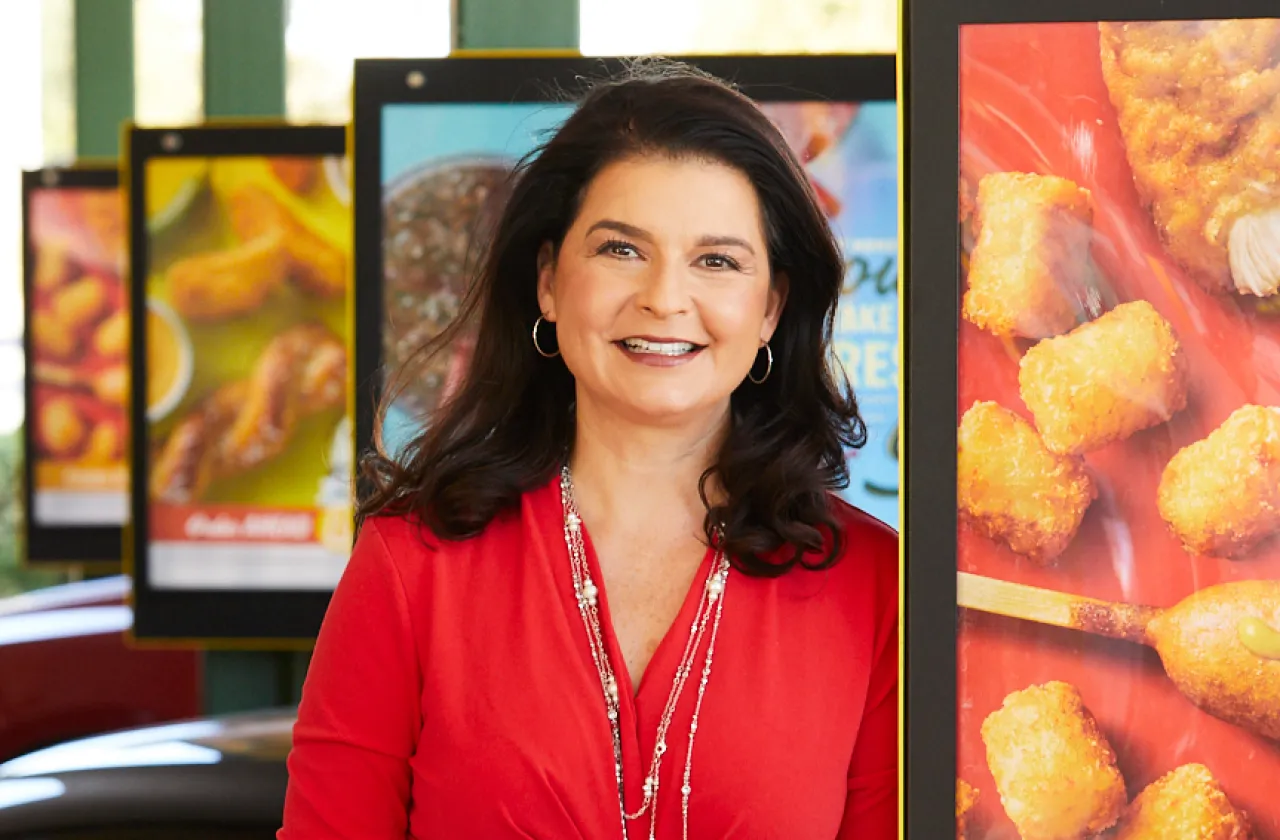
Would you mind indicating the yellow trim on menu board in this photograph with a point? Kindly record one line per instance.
(900, 66)
(515, 53)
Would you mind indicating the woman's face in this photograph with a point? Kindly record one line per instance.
(661, 294)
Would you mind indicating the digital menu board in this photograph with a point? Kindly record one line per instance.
(435, 142)
(242, 265)
(76, 344)
(1094, 326)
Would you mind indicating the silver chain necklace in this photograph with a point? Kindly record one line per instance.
(710, 608)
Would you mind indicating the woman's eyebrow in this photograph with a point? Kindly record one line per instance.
(726, 242)
(708, 241)
(622, 228)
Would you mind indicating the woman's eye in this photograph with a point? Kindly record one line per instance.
(617, 248)
(719, 262)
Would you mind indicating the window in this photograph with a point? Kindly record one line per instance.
(31, 35)
(324, 37)
(622, 27)
(168, 62)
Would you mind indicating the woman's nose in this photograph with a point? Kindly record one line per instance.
(664, 289)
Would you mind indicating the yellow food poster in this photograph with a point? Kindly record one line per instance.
(79, 341)
(246, 372)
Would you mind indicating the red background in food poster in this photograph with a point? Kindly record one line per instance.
(1032, 99)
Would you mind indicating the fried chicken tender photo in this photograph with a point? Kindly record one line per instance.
(1105, 380)
(314, 264)
(1013, 489)
(1221, 495)
(1030, 273)
(1199, 111)
(1054, 768)
(1186, 802)
(226, 284)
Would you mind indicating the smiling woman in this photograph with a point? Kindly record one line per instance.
(634, 300)
(635, 479)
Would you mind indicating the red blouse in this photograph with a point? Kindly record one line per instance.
(452, 694)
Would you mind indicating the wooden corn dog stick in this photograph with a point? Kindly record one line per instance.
(1220, 645)
(1060, 609)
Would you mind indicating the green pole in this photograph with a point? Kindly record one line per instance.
(244, 58)
(103, 75)
(244, 77)
(516, 24)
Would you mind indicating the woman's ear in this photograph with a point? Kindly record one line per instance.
(773, 309)
(546, 280)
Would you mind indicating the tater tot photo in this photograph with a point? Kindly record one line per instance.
(966, 798)
(1054, 769)
(1105, 380)
(1184, 803)
(1117, 417)
(1013, 489)
(1030, 274)
(1221, 495)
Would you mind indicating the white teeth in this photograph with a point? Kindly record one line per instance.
(661, 348)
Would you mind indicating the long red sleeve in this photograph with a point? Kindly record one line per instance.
(871, 811)
(360, 715)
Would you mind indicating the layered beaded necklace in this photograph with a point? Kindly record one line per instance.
(707, 617)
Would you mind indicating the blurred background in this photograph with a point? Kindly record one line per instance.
(74, 71)
(159, 46)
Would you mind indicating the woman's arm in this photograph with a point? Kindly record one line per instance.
(871, 810)
(360, 715)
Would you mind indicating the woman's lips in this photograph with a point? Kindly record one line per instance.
(658, 353)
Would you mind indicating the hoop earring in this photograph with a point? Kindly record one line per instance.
(537, 346)
(768, 367)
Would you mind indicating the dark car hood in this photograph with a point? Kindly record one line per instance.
(212, 770)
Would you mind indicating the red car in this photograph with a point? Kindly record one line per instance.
(66, 672)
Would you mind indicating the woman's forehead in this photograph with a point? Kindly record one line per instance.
(666, 196)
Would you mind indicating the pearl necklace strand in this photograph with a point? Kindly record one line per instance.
(710, 608)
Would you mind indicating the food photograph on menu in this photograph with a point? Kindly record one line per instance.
(246, 391)
(1118, 431)
(445, 172)
(78, 346)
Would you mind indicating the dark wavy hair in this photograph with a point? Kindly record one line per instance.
(510, 425)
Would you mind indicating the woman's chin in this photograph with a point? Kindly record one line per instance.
(669, 407)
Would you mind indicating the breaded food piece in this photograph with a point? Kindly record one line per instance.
(1198, 103)
(1054, 769)
(1221, 495)
(966, 798)
(1012, 489)
(1184, 803)
(1105, 380)
(1030, 272)
(1220, 647)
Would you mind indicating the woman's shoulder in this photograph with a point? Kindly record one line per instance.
(408, 543)
(398, 534)
(865, 538)
(868, 562)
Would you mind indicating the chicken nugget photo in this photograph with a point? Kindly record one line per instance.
(1186, 802)
(1013, 489)
(1030, 274)
(1054, 768)
(1105, 380)
(1221, 495)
